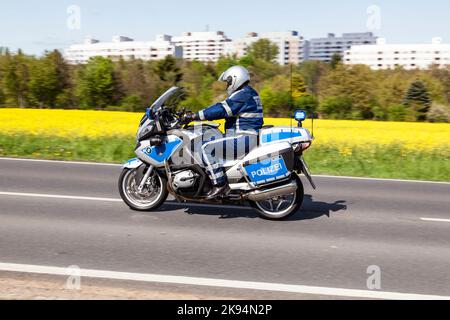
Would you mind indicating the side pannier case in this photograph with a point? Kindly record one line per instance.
(284, 134)
(269, 164)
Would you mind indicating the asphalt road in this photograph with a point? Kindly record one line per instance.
(343, 228)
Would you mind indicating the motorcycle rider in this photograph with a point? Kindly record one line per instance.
(243, 114)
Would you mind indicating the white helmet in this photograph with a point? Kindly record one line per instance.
(235, 77)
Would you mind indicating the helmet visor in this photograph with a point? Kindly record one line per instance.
(229, 81)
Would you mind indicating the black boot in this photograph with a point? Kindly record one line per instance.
(217, 191)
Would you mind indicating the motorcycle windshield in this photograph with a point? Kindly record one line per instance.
(169, 98)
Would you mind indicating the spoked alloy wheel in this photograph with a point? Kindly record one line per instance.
(149, 198)
(281, 207)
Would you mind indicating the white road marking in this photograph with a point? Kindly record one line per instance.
(221, 283)
(56, 196)
(314, 176)
(381, 179)
(83, 198)
(64, 162)
(435, 220)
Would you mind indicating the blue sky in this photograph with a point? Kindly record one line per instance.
(38, 25)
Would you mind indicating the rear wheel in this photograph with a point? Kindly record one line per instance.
(151, 197)
(282, 207)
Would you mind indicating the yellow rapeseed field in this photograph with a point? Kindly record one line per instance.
(344, 134)
(68, 123)
(410, 135)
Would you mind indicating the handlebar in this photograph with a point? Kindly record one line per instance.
(169, 117)
(180, 118)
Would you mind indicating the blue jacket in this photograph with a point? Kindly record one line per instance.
(242, 111)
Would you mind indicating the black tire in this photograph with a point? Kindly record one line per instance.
(299, 195)
(153, 205)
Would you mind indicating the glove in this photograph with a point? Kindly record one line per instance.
(189, 117)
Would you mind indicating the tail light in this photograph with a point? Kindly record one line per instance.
(305, 146)
(300, 147)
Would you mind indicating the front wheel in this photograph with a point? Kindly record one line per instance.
(282, 207)
(151, 197)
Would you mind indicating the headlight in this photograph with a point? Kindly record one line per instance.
(145, 131)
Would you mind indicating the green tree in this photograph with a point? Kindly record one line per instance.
(168, 72)
(335, 89)
(264, 49)
(276, 97)
(396, 112)
(435, 87)
(357, 83)
(439, 113)
(48, 79)
(132, 103)
(299, 88)
(443, 76)
(64, 73)
(96, 83)
(2, 97)
(336, 60)
(226, 62)
(301, 97)
(136, 84)
(308, 103)
(15, 79)
(198, 79)
(380, 113)
(338, 107)
(312, 71)
(248, 61)
(418, 100)
(392, 85)
(262, 71)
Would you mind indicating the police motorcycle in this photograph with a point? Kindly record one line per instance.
(267, 178)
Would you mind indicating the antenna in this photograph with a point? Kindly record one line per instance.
(292, 87)
(292, 98)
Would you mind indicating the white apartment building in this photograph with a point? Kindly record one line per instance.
(383, 56)
(292, 48)
(323, 49)
(125, 48)
(202, 46)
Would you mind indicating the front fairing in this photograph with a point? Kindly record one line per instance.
(146, 129)
(168, 99)
(151, 121)
(157, 155)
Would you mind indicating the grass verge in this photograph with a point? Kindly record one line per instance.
(377, 162)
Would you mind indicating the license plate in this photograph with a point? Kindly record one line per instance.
(267, 170)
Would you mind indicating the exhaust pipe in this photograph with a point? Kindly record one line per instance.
(261, 195)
